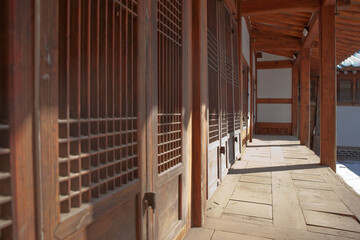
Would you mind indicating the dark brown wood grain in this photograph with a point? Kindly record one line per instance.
(295, 100)
(305, 97)
(328, 86)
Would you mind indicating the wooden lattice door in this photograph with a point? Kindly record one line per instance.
(213, 166)
(223, 93)
(245, 90)
(237, 92)
(96, 191)
(169, 166)
(229, 85)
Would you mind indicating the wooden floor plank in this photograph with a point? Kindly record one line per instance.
(309, 185)
(252, 196)
(265, 231)
(199, 233)
(331, 221)
(266, 188)
(281, 192)
(253, 179)
(335, 232)
(249, 209)
(220, 235)
(307, 177)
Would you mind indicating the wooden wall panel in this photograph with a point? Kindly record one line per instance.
(273, 128)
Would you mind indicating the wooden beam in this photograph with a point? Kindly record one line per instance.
(305, 98)
(279, 44)
(274, 100)
(313, 31)
(295, 100)
(274, 64)
(328, 86)
(260, 7)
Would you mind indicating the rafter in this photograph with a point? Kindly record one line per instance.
(260, 7)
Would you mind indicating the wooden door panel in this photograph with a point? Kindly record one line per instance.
(168, 166)
(213, 93)
(107, 226)
(169, 200)
(213, 170)
(98, 160)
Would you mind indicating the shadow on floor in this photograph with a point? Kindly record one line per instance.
(276, 168)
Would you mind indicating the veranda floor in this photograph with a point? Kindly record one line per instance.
(280, 191)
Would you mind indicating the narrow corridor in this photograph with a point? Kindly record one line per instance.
(278, 190)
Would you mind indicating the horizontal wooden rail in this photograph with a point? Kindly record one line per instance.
(274, 64)
(274, 100)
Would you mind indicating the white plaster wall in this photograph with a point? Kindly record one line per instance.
(348, 128)
(274, 113)
(274, 83)
(245, 40)
(271, 57)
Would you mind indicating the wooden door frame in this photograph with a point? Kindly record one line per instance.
(17, 71)
(153, 180)
(244, 138)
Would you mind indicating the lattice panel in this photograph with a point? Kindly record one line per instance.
(229, 71)
(357, 99)
(169, 27)
(245, 95)
(224, 125)
(223, 72)
(236, 79)
(5, 169)
(213, 72)
(98, 149)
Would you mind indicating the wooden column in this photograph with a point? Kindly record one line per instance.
(305, 98)
(251, 90)
(16, 119)
(295, 100)
(328, 84)
(240, 56)
(199, 111)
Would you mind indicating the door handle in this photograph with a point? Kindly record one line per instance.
(222, 150)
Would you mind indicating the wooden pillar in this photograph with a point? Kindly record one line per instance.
(328, 84)
(16, 119)
(295, 100)
(240, 56)
(199, 111)
(305, 98)
(251, 90)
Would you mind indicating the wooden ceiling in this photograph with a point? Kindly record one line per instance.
(277, 27)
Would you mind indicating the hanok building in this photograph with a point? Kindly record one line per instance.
(119, 119)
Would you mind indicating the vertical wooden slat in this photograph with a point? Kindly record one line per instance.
(251, 89)
(46, 116)
(295, 100)
(328, 85)
(16, 120)
(305, 98)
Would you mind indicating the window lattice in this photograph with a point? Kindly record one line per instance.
(237, 115)
(357, 91)
(98, 149)
(169, 26)
(229, 72)
(213, 72)
(345, 91)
